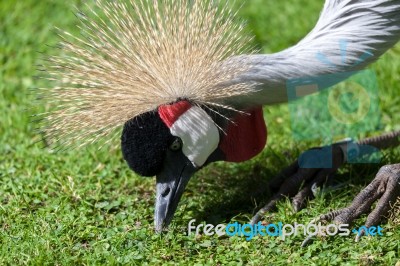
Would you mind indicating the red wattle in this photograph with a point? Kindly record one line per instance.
(170, 113)
(246, 137)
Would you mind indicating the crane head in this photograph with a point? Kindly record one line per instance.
(176, 140)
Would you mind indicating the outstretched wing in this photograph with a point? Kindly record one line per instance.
(349, 35)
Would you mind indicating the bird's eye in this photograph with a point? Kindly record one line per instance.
(176, 145)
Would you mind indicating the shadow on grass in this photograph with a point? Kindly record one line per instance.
(227, 193)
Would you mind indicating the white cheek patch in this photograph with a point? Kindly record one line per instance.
(199, 135)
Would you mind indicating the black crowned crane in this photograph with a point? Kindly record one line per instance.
(183, 82)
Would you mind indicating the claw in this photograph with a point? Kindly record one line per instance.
(299, 202)
(269, 207)
(306, 241)
(359, 235)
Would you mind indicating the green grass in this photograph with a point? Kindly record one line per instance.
(86, 207)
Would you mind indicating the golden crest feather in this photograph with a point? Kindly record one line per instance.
(135, 55)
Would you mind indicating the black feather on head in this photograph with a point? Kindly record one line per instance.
(144, 142)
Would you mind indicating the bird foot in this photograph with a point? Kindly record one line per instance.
(300, 183)
(385, 189)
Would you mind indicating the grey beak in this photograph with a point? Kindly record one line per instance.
(171, 183)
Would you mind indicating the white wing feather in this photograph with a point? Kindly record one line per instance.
(368, 28)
